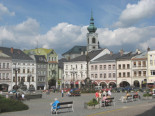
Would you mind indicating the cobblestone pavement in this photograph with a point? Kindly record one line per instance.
(41, 107)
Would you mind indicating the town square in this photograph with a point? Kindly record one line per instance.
(77, 58)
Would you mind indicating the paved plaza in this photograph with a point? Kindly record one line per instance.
(41, 107)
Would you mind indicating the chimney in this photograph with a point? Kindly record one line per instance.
(11, 49)
(111, 53)
(148, 49)
(121, 52)
(138, 51)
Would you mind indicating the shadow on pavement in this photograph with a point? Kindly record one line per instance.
(150, 112)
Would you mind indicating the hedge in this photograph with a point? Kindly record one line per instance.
(9, 105)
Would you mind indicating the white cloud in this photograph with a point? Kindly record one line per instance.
(135, 12)
(5, 11)
(149, 43)
(64, 36)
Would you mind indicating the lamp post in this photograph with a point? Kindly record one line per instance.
(16, 70)
(29, 79)
(87, 80)
(73, 72)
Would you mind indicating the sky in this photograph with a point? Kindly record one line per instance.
(62, 24)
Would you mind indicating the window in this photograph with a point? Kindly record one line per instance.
(66, 67)
(71, 67)
(76, 66)
(3, 65)
(119, 74)
(144, 63)
(0, 65)
(18, 79)
(109, 75)
(104, 67)
(28, 70)
(92, 75)
(100, 67)
(152, 72)
(13, 79)
(123, 74)
(92, 67)
(151, 62)
(128, 74)
(139, 72)
(123, 66)
(7, 65)
(95, 67)
(128, 66)
(144, 73)
(134, 64)
(0, 75)
(139, 63)
(100, 75)
(23, 70)
(135, 73)
(93, 40)
(32, 70)
(109, 67)
(95, 75)
(81, 66)
(114, 75)
(119, 66)
(104, 75)
(32, 79)
(23, 79)
(113, 66)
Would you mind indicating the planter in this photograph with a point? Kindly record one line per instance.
(91, 107)
(147, 98)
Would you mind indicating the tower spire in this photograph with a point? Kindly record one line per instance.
(91, 28)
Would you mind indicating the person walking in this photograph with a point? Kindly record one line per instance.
(62, 93)
(97, 96)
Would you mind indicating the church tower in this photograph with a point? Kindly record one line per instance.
(92, 37)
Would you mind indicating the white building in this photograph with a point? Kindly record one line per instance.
(23, 65)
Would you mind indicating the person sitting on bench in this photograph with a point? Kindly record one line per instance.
(54, 104)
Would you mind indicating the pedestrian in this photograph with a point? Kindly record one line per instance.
(97, 96)
(100, 95)
(62, 92)
(109, 92)
(23, 96)
(54, 104)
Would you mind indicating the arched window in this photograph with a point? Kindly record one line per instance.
(93, 40)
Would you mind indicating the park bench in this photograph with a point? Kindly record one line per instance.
(128, 99)
(63, 105)
(136, 97)
(108, 102)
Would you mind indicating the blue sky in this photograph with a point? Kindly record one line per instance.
(61, 24)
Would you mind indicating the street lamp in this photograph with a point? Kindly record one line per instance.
(87, 80)
(16, 69)
(73, 72)
(29, 79)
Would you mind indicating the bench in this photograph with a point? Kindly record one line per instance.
(63, 105)
(108, 102)
(129, 99)
(136, 97)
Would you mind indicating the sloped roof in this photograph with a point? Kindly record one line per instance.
(37, 51)
(108, 57)
(127, 56)
(61, 62)
(140, 56)
(17, 53)
(91, 55)
(76, 50)
(2, 55)
(40, 59)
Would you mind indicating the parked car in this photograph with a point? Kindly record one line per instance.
(98, 88)
(128, 88)
(106, 89)
(12, 91)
